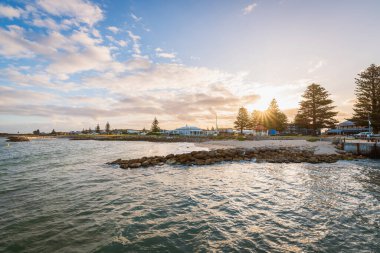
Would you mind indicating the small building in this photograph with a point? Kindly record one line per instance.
(226, 131)
(260, 130)
(188, 131)
(347, 128)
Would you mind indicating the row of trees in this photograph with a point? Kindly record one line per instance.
(97, 129)
(272, 118)
(154, 128)
(317, 111)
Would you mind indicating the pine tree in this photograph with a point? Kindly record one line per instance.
(155, 128)
(53, 132)
(242, 120)
(108, 128)
(257, 118)
(316, 110)
(97, 128)
(367, 106)
(274, 118)
(89, 130)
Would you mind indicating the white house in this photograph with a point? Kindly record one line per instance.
(187, 130)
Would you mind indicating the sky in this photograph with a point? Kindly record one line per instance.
(72, 64)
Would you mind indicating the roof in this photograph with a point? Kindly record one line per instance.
(260, 128)
(188, 128)
(347, 123)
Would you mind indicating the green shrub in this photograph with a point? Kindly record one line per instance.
(312, 139)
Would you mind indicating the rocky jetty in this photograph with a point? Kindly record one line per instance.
(17, 139)
(279, 155)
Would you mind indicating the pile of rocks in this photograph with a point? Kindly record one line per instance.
(17, 139)
(279, 155)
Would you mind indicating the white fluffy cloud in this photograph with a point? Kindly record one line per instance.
(82, 10)
(10, 12)
(13, 43)
(167, 55)
(113, 29)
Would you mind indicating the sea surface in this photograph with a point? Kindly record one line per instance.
(60, 196)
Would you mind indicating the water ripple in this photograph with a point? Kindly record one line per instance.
(59, 196)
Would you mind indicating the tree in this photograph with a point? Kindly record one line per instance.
(316, 110)
(242, 120)
(212, 128)
(36, 132)
(274, 118)
(367, 106)
(97, 128)
(89, 130)
(257, 118)
(53, 132)
(108, 128)
(155, 128)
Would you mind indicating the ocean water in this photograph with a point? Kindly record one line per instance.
(60, 196)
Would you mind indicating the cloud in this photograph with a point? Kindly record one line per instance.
(249, 8)
(136, 42)
(48, 23)
(135, 18)
(315, 66)
(10, 12)
(13, 44)
(166, 55)
(82, 10)
(113, 29)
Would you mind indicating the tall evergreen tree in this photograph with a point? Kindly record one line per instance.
(155, 128)
(242, 120)
(108, 128)
(53, 132)
(274, 117)
(257, 118)
(97, 128)
(316, 110)
(367, 106)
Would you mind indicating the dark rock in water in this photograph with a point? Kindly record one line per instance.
(17, 139)
(279, 155)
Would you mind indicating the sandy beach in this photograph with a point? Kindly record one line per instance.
(319, 147)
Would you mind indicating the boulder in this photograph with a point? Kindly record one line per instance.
(135, 165)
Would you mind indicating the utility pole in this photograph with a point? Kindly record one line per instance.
(216, 122)
(369, 124)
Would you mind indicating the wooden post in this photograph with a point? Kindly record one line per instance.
(358, 148)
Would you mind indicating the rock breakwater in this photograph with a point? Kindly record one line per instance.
(279, 155)
(17, 139)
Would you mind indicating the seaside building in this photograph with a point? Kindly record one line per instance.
(260, 130)
(190, 131)
(346, 128)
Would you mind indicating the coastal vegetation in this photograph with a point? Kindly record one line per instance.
(108, 128)
(155, 127)
(316, 110)
(242, 120)
(367, 105)
(272, 118)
